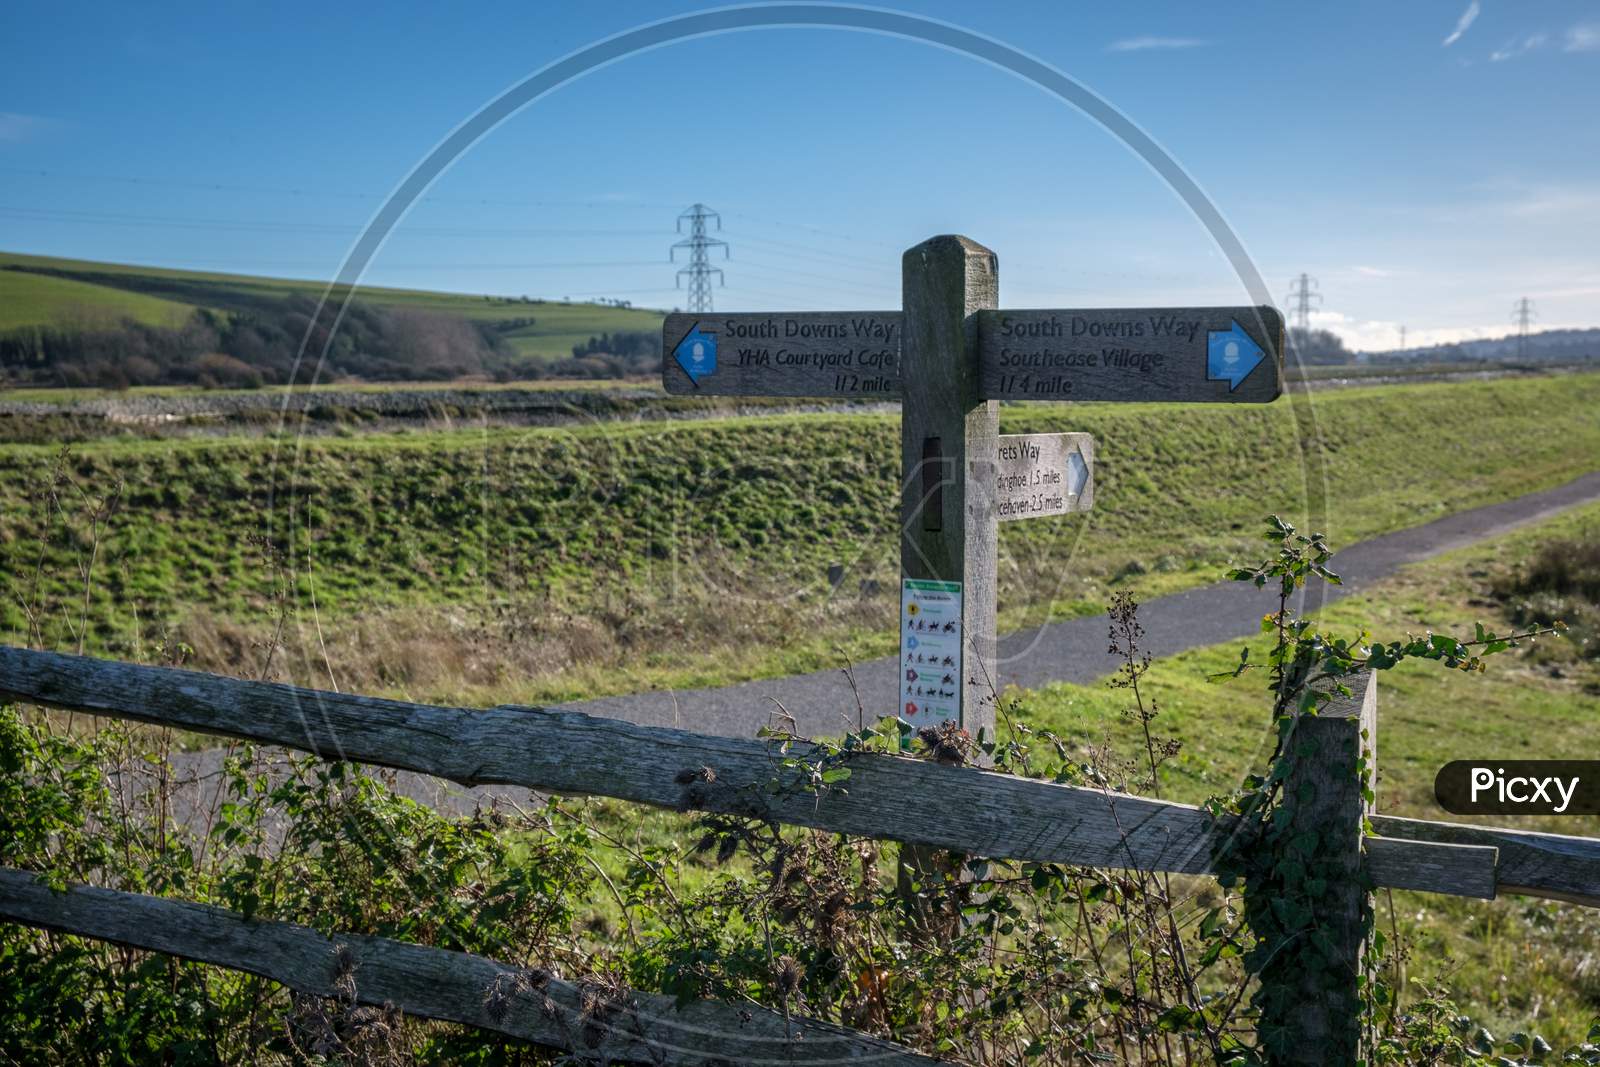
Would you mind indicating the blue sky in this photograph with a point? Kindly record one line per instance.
(1429, 163)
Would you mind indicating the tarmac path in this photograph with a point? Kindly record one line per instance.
(1074, 650)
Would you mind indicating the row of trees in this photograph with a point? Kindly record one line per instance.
(261, 346)
(619, 354)
(1319, 346)
(622, 354)
(249, 349)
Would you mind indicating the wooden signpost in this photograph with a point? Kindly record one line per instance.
(1041, 474)
(1172, 354)
(811, 353)
(949, 356)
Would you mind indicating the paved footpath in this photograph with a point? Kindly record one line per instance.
(1072, 651)
(1075, 650)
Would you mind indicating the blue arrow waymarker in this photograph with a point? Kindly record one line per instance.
(697, 354)
(1231, 355)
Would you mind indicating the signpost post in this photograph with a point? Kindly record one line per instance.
(948, 437)
(949, 356)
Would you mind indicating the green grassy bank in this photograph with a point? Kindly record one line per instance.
(557, 562)
(1514, 963)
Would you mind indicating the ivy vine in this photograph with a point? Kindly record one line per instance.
(1293, 876)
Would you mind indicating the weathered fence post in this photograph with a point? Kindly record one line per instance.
(947, 525)
(947, 449)
(1314, 1014)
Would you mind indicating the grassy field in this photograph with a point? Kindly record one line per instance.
(37, 299)
(550, 564)
(1424, 370)
(65, 395)
(1515, 961)
(51, 288)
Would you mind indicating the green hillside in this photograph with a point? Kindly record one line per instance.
(612, 556)
(46, 300)
(44, 291)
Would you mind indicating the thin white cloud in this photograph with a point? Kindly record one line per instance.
(1519, 46)
(1146, 44)
(1372, 272)
(1468, 17)
(15, 127)
(1583, 38)
(1563, 202)
(1565, 294)
(1378, 335)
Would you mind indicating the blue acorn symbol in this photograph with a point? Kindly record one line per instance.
(697, 354)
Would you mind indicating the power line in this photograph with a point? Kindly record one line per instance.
(540, 265)
(853, 293)
(884, 285)
(1302, 292)
(1523, 313)
(836, 256)
(225, 187)
(271, 226)
(785, 299)
(699, 269)
(830, 255)
(819, 231)
(631, 292)
(875, 261)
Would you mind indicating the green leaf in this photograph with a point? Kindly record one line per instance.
(1176, 1018)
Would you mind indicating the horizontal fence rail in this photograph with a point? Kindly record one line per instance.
(603, 1026)
(1553, 866)
(962, 808)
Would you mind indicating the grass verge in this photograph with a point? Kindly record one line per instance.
(1515, 961)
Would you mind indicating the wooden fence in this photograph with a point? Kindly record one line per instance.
(966, 809)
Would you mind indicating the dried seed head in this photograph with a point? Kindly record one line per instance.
(947, 742)
(344, 973)
(497, 1001)
(788, 975)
